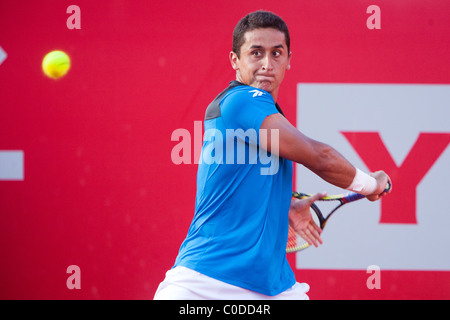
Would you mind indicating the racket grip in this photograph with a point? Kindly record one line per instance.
(353, 196)
(388, 186)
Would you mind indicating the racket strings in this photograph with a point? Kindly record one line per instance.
(295, 242)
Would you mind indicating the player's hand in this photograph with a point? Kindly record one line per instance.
(300, 219)
(382, 182)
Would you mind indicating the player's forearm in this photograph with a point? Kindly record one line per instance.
(330, 165)
(319, 157)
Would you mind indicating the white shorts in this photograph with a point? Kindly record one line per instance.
(182, 283)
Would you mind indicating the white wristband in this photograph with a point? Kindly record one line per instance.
(363, 183)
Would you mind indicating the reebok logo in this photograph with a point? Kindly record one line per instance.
(256, 93)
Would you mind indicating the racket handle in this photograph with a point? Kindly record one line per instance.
(388, 186)
(353, 196)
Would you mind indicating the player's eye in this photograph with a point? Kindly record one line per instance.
(276, 53)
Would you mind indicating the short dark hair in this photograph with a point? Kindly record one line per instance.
(256, 20)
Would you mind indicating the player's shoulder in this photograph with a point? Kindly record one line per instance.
(246, 94)
(235, 97)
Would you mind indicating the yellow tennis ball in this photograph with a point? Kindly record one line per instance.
(56, 64)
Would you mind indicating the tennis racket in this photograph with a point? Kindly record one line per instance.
(295, 242)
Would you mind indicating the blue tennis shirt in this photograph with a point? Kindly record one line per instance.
(239, 231)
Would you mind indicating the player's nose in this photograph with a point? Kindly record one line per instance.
(267, 63)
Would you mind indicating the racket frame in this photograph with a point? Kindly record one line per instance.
(341, 198)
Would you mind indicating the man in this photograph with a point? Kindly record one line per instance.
(235, 247)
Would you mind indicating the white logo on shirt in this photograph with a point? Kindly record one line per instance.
(257, 93)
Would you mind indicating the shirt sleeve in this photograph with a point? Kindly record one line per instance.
(247, 108)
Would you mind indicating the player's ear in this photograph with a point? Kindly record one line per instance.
(289, 61)
(234, 59)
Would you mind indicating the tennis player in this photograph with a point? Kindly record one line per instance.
(235, 246)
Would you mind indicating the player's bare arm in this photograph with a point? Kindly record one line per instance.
(319, 157)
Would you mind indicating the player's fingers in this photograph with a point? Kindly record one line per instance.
(315, 233)
(315, 228)
(306, 236)
(311, 236)
(387, 190)
(316, 197)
